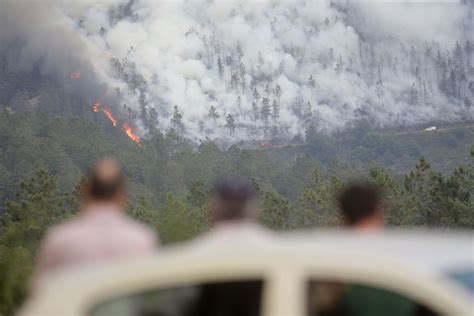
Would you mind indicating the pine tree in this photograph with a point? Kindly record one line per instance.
(278, 94)
(275, 111)
(339, 64)
(468, 49)
(297, 105)
(413, 95)
(234, 80)
(153, 118)
(452, 84)
(265, 112)
(311, 82)
(255, 111)
(267, 89)
(143, 110)
(243, 80)
(238, 104)
(230, 123)
(379, 89)
(240, 51)
(308, 115)
(458, 55)
(256, 95)
(213, 113)
(220, 67)
(177, 120)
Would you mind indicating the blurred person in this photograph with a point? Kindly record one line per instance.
(234, 215)
(101, 233)
(361, 207)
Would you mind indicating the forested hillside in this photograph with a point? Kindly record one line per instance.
(44, 156)
(251, 70)
(320, 94)
(49, 140)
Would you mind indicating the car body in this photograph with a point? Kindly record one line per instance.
(418, 266)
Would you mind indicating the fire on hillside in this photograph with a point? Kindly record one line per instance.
(126, 127)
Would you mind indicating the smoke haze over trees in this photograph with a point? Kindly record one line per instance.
(243, 70)
(329, 90)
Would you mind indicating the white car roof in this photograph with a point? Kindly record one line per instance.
(430, 251)
(390, 258)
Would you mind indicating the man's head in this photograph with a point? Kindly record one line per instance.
(234, 200)
(361, 206)
(105, 183)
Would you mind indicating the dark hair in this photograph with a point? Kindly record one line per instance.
(104, 187)
(233, 193)
(359, 201)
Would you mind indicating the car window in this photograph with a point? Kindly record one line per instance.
(327, 298)
(464, 278)
(219, 299)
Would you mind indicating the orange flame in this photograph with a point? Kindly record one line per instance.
(129, 131)
(97, 107)
(75, 75)
(110, 116)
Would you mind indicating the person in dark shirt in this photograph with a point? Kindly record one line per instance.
(362, 209)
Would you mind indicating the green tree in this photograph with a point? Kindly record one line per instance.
(15, 269)
(317, 205)
(265, 113)
(276, 211)
(178, 222)
(177, 121)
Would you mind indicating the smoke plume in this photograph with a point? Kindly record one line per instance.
(246, 69)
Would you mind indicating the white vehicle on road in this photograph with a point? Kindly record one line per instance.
(297, 274)
(432, 128)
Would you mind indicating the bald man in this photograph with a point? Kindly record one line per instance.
(101, 233)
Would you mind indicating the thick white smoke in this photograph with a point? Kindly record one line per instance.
(334, 63)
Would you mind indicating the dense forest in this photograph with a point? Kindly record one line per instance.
(49, 136)
(317, 97)
(44, 157)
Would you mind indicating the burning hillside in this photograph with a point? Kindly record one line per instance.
(126, 127)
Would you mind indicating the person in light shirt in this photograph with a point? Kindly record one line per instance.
(234, 212)
(101, 233)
